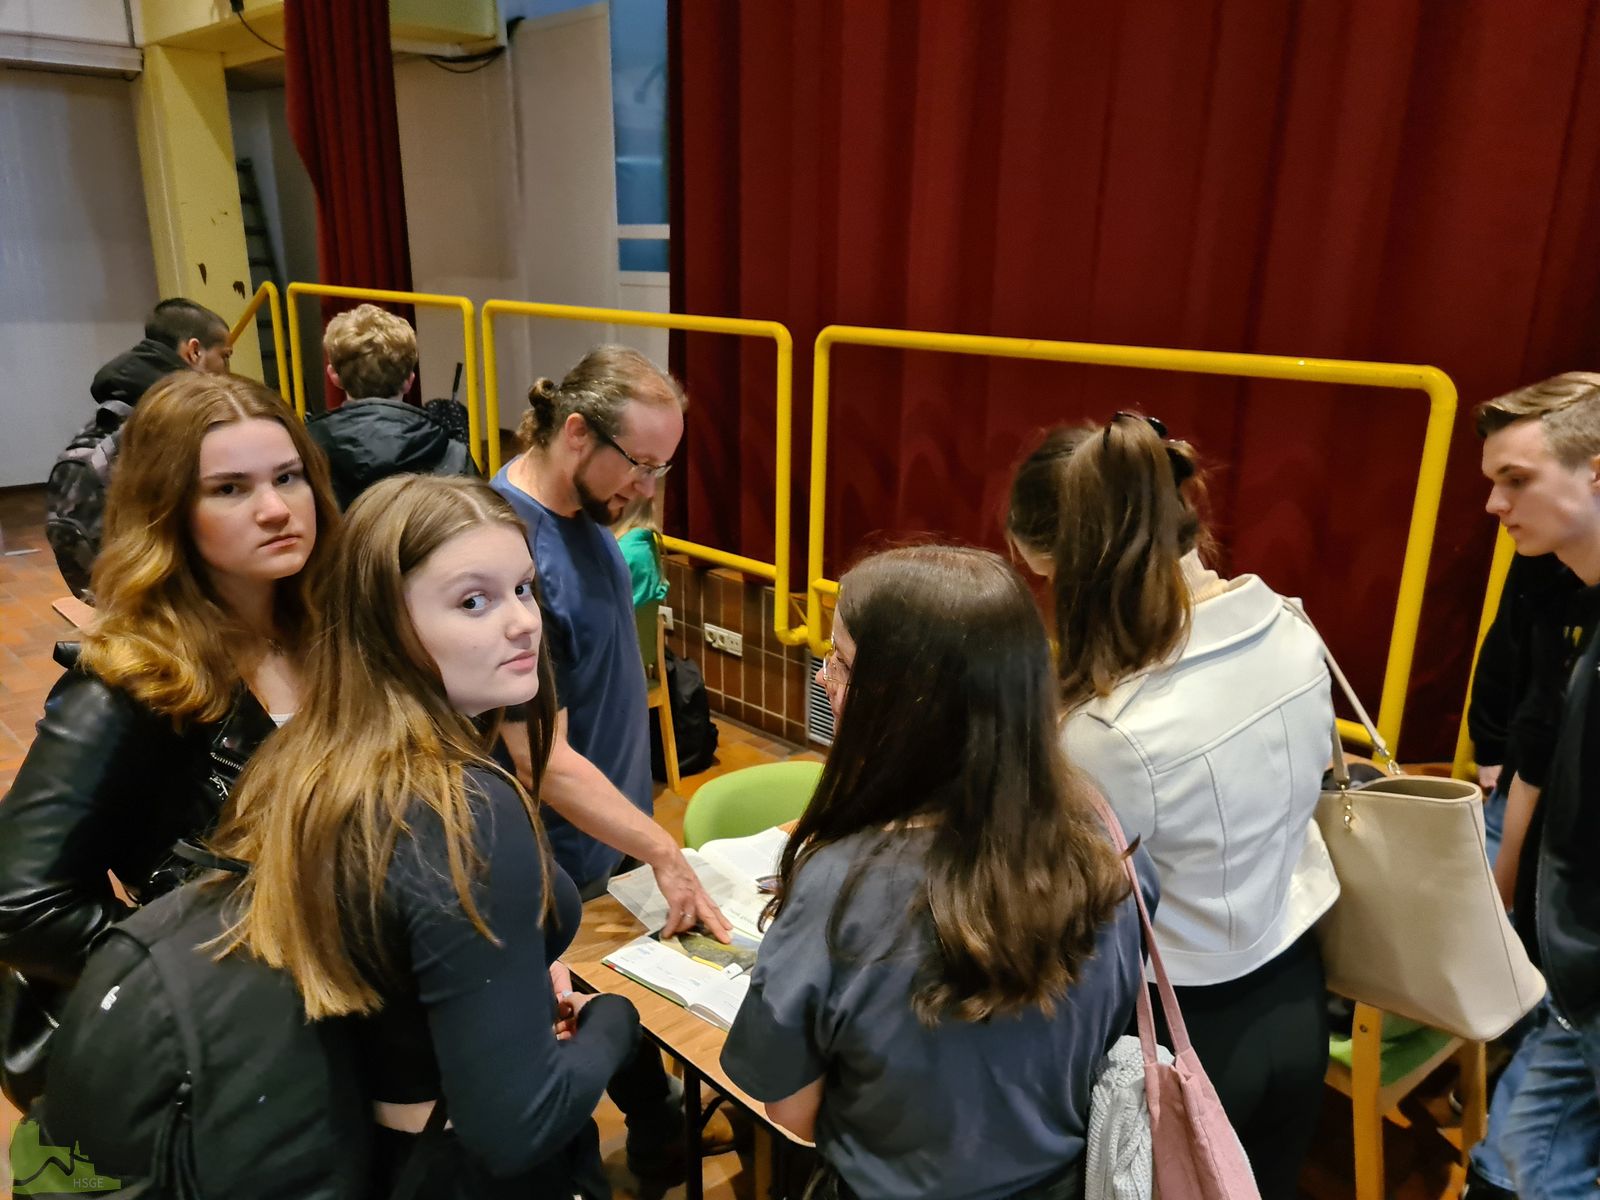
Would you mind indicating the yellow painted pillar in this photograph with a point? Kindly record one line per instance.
(191, 187)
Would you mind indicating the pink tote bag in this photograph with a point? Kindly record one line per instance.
(1196, 1154)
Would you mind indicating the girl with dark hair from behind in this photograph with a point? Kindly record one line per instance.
(953, 944)
(403, 879)
(1203, 708)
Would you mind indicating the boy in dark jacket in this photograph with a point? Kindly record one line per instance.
(178, 335)
(372, 355)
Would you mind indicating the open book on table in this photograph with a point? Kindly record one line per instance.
(710, 993)
(728, 869)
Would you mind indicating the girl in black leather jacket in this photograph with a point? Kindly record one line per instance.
(217, 523)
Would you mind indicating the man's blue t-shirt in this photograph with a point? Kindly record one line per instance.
(586, 597)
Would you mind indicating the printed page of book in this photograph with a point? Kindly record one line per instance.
(649, 962)
(718, 1000)
(738, 898)
(637, 892)
(728, 869)
(752, 857)
(709, 994)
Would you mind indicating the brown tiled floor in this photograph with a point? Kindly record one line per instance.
(1419, 1161)
(28, 628)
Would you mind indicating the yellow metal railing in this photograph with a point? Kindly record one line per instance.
(1504, 550)
(266, 294)
(422, 300)
(778, 571)
(1436, 384)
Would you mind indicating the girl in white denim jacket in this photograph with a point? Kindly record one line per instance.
(1202, 708)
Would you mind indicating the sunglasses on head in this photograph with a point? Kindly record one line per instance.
(1155, 423)
(1182, 464)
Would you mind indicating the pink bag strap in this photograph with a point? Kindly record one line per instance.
(1169, 1000)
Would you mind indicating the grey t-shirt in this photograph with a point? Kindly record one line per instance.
(963, 1110)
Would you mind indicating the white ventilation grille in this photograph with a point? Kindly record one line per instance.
(819, 714)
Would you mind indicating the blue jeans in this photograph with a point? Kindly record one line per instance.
(1487, 1160)
(1548, 1122)
(1494, 819)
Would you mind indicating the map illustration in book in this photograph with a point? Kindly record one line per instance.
(703, 948)
(712, 995)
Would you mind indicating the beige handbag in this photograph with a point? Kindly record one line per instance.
(1419, 929)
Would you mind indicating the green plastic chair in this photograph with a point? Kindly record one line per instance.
(747, 801)
(1406, 1046)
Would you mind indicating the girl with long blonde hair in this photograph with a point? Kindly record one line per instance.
(218, 525)
(402, 878)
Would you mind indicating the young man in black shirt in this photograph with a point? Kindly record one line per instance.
(1541, 454)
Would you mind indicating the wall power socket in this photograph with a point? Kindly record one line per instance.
(725, 640)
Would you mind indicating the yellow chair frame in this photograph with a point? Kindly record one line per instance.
(1372, 1101)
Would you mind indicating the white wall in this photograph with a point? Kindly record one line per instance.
(94, 35)
(510, 182)
(261, 133)
(76, 271)
(79, 20)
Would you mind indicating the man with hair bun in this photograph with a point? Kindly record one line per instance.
(596, 441)
(372, 355)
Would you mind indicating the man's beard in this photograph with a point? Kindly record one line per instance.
(595, 508)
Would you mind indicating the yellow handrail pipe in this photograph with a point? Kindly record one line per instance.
(419, 299)
(1504, 550)
(1441, 393)
(266, 294)
(778, 571)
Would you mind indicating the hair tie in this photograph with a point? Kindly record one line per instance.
(1183, 467)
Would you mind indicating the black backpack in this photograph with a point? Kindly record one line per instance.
(190, 1078)
(75, 494)
(450, 415)
(692, 727)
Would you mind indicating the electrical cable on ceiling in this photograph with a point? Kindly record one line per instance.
(480, 60)
(239, 12)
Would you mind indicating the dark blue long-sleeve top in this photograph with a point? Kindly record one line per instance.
(471, 1019)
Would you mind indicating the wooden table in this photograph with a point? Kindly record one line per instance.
(608, 926)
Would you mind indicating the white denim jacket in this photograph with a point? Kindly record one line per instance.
(1215, 759)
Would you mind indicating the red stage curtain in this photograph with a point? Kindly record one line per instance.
(339, 82)
(1380, 179)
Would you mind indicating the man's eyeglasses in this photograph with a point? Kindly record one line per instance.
(643, 470)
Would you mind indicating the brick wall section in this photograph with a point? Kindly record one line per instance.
(766, 687)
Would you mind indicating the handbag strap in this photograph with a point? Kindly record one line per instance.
(196, 854)
(1169, 1000)
(423, 1151)
(1341, 769)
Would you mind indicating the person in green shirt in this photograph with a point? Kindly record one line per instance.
(639, 539)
